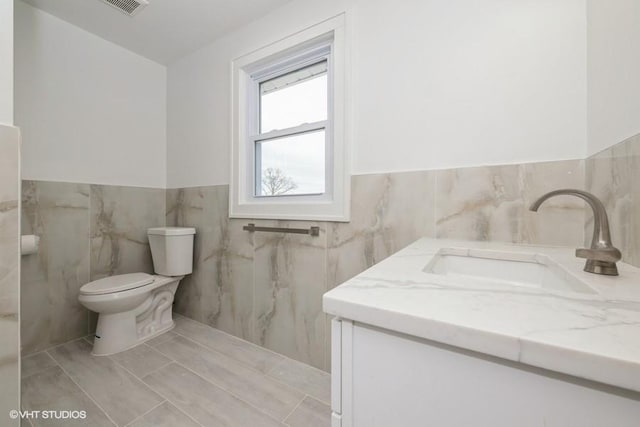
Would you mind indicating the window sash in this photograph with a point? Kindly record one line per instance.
(280, 133)
(257, 140)
(319, 53)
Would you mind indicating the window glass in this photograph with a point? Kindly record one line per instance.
(294, 98)
(291, 165)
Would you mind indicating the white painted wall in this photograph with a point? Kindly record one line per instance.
(434, 85)
(90, 111)
(6, 62)
(613, 33)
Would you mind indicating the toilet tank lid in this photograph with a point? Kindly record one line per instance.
(121, 282)
(171, 231)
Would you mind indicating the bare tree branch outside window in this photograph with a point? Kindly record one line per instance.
(276, 183)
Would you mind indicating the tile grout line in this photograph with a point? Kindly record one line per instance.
(224, 389)
(216, 352)
(294, 410)
(249, 343)
(85, 393)
(230, 392)
(150, 372)
(283, 359)
(167, 399)
(39, 371)
(142, 415)
(301, 391)
(154, 390)
(266, 373)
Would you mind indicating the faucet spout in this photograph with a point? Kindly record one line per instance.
(602, 255)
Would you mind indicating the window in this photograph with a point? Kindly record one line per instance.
(289, 150)
(291, 136)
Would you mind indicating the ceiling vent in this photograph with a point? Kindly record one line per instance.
(129, 7)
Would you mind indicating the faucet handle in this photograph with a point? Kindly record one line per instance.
(605, 254)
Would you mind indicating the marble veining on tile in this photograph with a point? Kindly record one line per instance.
(491, 203)
(219, 292)
(613, 175)
(379, 223)
(51, 278)
(289, 280)
(120, 217)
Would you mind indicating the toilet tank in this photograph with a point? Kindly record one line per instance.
(172, 250)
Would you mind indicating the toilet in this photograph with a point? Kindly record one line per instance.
(133, 308)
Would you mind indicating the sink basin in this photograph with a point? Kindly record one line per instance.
(529, 270)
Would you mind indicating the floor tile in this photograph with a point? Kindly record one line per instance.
(312, 381)
(266, 394)
(240, 350)
(310, 413)
(208, 404)
(141, 360)
(52, 389)
(35, 363)
(119, 393)
(160, 338)
(165, 415)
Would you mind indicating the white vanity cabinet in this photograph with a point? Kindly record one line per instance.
(387, 379)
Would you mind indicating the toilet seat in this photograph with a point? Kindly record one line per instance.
(119, 283)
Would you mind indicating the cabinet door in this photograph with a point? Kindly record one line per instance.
(399, 380)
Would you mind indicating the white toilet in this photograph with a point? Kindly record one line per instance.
(136, 307)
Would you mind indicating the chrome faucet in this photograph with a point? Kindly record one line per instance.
(602, 255)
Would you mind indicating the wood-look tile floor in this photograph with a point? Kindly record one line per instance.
(192, 376)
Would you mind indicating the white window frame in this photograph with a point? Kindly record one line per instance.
(322, 41)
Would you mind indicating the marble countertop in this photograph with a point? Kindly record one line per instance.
(595, 335)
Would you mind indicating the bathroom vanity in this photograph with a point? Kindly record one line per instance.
(453, 333)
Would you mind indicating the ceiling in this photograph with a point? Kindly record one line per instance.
(166, 29)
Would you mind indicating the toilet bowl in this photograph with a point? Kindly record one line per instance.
(133, 308)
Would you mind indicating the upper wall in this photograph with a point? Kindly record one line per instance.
(6, 62)
(613, 33)
(434, 85)
(90, 111)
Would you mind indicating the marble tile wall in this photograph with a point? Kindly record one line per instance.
(614, 176)
(290, 276)
(59, 214)
(267, 287)
(492, 203)
(9, 273)
(220, 290)
(119, 219)
(86, 232)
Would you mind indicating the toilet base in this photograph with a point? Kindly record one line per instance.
(118, 332)
(103, 347)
